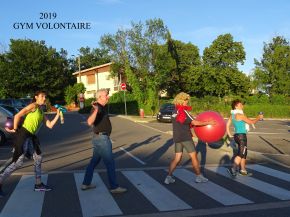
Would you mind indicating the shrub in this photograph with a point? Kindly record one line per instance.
(280, 100)
(71, 92)
(257, 99)
(117, 103)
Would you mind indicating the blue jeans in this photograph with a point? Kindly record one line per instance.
(102, 148)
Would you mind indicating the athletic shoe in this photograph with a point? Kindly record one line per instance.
(118, 190)
(232, 173)
(169, 180)
(42, 187)
(245, 173)
(87, 187)
(201, 179)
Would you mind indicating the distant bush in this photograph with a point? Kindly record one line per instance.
(275, 107)
(280, 100)
(117, 103)
(257, 99)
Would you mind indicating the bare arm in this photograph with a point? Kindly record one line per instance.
(31, 107)
(244, 118)
(202, 123)
(49, 123)
(93, 115)
(229, 122)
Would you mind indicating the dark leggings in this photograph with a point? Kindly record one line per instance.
(241, 140)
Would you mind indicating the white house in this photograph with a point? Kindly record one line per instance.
(96, 78)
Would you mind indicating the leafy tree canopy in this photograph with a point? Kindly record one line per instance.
(272, 73)
(29, 66)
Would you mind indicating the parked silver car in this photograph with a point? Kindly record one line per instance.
(4, 115)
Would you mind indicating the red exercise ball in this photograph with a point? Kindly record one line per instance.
(210, 133)
(9, 123)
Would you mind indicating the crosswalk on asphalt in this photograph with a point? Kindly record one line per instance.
(146, 192)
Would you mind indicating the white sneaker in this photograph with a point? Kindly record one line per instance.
(87, 187)
(200, 179)
(118, 190)
(168, 180)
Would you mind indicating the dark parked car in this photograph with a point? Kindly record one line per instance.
(165, 112)
(26, 101)
(13, 102)
(12, 109)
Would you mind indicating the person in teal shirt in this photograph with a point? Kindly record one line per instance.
(239, 120)
(34, 117)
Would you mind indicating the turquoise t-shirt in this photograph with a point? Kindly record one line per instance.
(240, 126)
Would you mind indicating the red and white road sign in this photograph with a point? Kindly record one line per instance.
(123, 86)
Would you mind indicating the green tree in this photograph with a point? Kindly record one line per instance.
(187, 61)
(224, 53)
(165, 67)
(31, 65)
(72, 92)
(220, 74)
(89, 58)
(272, 73)
(133, 52)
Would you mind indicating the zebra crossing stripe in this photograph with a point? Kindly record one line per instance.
(157, 194)
(28, 202)
(98, 201)
(264, 187)
(211, 189)
(271, 172)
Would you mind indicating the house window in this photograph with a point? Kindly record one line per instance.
(91, 79)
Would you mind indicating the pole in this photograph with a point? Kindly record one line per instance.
(125, 102)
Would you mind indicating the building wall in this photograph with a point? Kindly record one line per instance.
(102, 80)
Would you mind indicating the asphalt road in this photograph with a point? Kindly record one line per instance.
(143, 150)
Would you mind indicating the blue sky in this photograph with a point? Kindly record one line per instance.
(251, 22)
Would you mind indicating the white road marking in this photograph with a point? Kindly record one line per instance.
(28, 202)
(271, 172)
(131, 155)
(97, 201)
(157, 194)
(272, 190)
(211, 189)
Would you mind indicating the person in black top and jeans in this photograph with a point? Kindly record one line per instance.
(102, 145)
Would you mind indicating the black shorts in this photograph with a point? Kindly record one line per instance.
(19, 140)
(241, 140)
